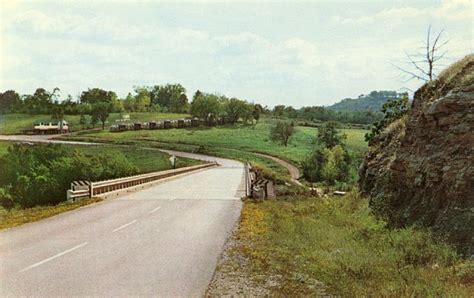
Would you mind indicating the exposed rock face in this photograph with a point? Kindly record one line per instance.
(420, 170)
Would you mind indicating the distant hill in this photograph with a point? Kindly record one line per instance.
(370, 102)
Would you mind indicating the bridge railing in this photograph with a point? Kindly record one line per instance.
(91, 189)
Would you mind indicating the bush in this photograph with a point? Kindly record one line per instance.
(6, 200)
(392, 110)
(40, 175)
(328, 165)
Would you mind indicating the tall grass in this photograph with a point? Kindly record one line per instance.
(335, 244)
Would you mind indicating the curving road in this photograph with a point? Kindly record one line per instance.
(162, 241)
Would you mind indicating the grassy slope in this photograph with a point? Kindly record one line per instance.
(15, 123)
(241, 137)
(303, 242)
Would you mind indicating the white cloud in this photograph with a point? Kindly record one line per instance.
(75, 50)
(459, 10)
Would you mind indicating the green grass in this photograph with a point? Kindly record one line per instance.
(15, 123)
(337, 246)
(16, 217)
(4, 148)
(240, 137)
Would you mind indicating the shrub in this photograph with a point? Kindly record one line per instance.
(392, 110)
(6, 200)
(41, 174)
(328, 165)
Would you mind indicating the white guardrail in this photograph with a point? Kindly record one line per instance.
(81, 189)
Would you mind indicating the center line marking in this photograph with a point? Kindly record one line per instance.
(154, 210)
(54, 257)
(124, 226)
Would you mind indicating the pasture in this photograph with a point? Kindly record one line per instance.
(249, 138)
(15, 123)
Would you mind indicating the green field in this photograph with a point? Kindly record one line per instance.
(15, 123)
(240, 137)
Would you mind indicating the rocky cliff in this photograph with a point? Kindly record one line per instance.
(420, 170)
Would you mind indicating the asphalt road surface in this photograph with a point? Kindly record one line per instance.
(162, 241)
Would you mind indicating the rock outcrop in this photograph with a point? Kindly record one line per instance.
(420, 170)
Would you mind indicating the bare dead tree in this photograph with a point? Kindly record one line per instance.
(423, 63)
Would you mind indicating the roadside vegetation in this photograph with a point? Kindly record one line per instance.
(39, 175)
(335, 246)
(18, 216)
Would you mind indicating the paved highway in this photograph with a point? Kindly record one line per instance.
(161, 241)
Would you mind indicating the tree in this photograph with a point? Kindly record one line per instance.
(9, 101)
(234, 109)
(100, 111)
(329, 136)
(422, 65)
(96, 95)
(312, 166)
(94, 120)
(58, 114)
(257, 111)
(247, 112)
(206, 106)
(170, 96)
(282, 131)
(330, 165)
(83, 121)
(336, 165)
(141, 101)
(392, 110)
(279, 111)
(38, 103)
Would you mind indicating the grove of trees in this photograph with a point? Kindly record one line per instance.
(210, 107)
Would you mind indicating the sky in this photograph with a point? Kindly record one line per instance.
(292, 53)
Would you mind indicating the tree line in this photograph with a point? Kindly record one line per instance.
(99, 103)
(170, 98)
(312, 115)
(160, 98)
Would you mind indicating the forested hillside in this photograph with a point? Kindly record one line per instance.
(370, 102)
